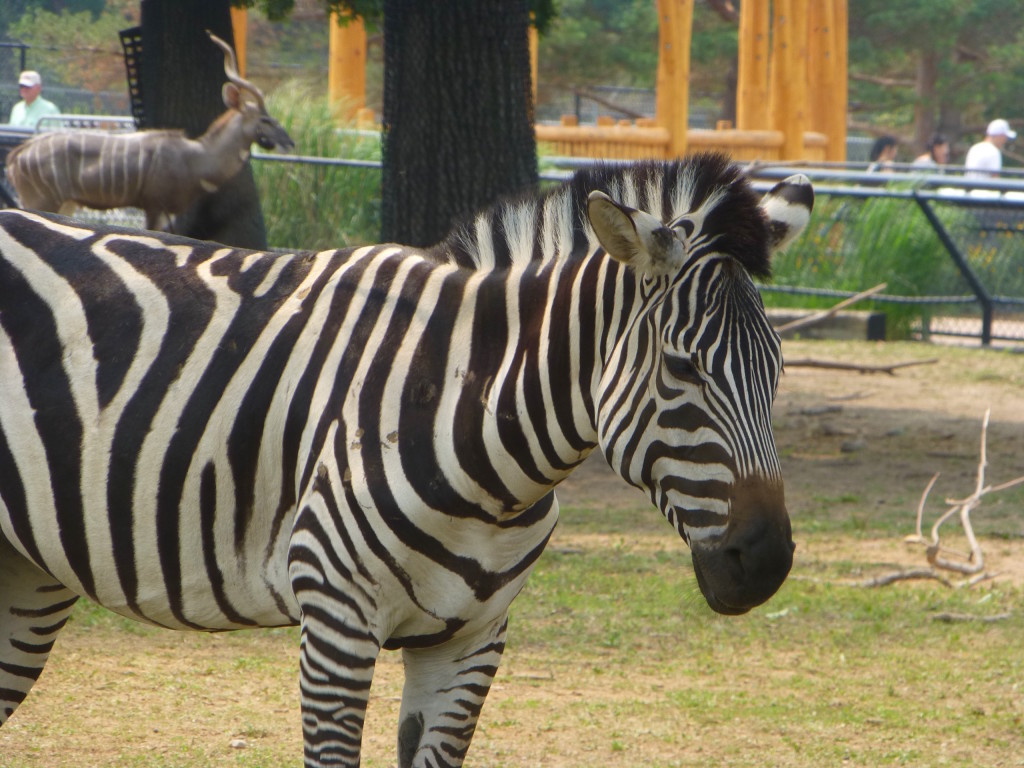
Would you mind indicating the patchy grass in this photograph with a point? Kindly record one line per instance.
(614, 659)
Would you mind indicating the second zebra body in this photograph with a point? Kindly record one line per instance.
(365, 442)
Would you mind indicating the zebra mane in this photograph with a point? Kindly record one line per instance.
(554, 224)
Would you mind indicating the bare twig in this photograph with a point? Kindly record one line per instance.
(825, 314)
(889, 369)
(940, 558)
(888, 82)
(917, 573)
(957, 617)
(918, 538)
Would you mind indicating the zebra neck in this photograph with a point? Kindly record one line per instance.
(540, 335)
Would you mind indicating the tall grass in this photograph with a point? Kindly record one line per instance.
(853, 244)
(312, 206)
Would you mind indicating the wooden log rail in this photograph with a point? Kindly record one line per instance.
(627, 140)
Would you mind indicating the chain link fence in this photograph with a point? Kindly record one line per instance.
(950, 250)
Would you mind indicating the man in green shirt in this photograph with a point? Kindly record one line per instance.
(26, 113)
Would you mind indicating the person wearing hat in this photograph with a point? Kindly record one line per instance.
(26, 113)
(985, 159)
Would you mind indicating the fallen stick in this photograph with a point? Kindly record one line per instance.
(803, 322)
(889, 369)
(890, 578)
(950, 618)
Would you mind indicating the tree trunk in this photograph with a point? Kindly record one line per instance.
(925, 106)
(458, 113)
(182, 73)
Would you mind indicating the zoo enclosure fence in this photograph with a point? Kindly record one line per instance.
(972, 230)
(975, 224)
(978, 224)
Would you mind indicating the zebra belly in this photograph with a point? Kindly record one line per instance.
(244, 591)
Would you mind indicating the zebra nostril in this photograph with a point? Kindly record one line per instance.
(732, 557)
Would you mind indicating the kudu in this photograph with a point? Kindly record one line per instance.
(160, 171)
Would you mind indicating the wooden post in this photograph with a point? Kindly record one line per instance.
(675, 22)
(837, 117)
(788, 98)
(346, 73)
(534, 38)
(752, 72)
(240, 28)
(826, 70)
(820, 74)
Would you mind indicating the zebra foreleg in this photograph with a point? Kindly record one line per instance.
(445, 688)
(335, 681)
(338, 650)
(33, 608)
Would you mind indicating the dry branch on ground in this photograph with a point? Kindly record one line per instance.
(889, 369)
(941, 559)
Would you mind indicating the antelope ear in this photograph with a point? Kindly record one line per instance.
(232, 96)
(787, 207)
(636, 238)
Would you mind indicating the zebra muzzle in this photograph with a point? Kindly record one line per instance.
(748, 563)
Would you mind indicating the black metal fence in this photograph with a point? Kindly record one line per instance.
(967, 233)
(970, 280)
(977, 225)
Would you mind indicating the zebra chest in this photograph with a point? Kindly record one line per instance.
(411, 571)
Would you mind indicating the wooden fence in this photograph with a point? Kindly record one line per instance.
(630, 140)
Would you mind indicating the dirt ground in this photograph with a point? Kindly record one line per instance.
(862, 447)
(857, 451)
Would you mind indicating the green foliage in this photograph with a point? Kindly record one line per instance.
(624, 34)
(12, 10)
(372, 11)
(853, 244)
(72, 38)
(976, 46)
(314, 207)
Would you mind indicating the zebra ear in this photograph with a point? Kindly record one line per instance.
(634, 237)
(787, 206)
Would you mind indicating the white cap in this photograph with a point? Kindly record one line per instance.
(1000, 128)
(30, 78)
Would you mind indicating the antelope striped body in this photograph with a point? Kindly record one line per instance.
(366, 442)
(161, 172)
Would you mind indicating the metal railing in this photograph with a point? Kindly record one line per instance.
(997, 206)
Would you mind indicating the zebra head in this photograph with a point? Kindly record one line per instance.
(684, 405)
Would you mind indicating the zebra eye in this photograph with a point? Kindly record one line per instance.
(682, 368)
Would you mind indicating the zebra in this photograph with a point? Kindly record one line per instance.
(365, 442)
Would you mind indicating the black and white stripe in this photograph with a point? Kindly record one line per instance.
(365, 442)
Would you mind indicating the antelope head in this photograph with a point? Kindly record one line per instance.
(241, 95)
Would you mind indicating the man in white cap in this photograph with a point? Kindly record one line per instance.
(985, 159)
(26, 113)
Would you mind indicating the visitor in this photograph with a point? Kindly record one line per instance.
(936, 153)
(985, 159)
(883, 153)
(27, 112)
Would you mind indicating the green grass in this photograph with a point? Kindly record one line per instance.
(825, 673)
(834, 672)
(313, 207)
(855, 244)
